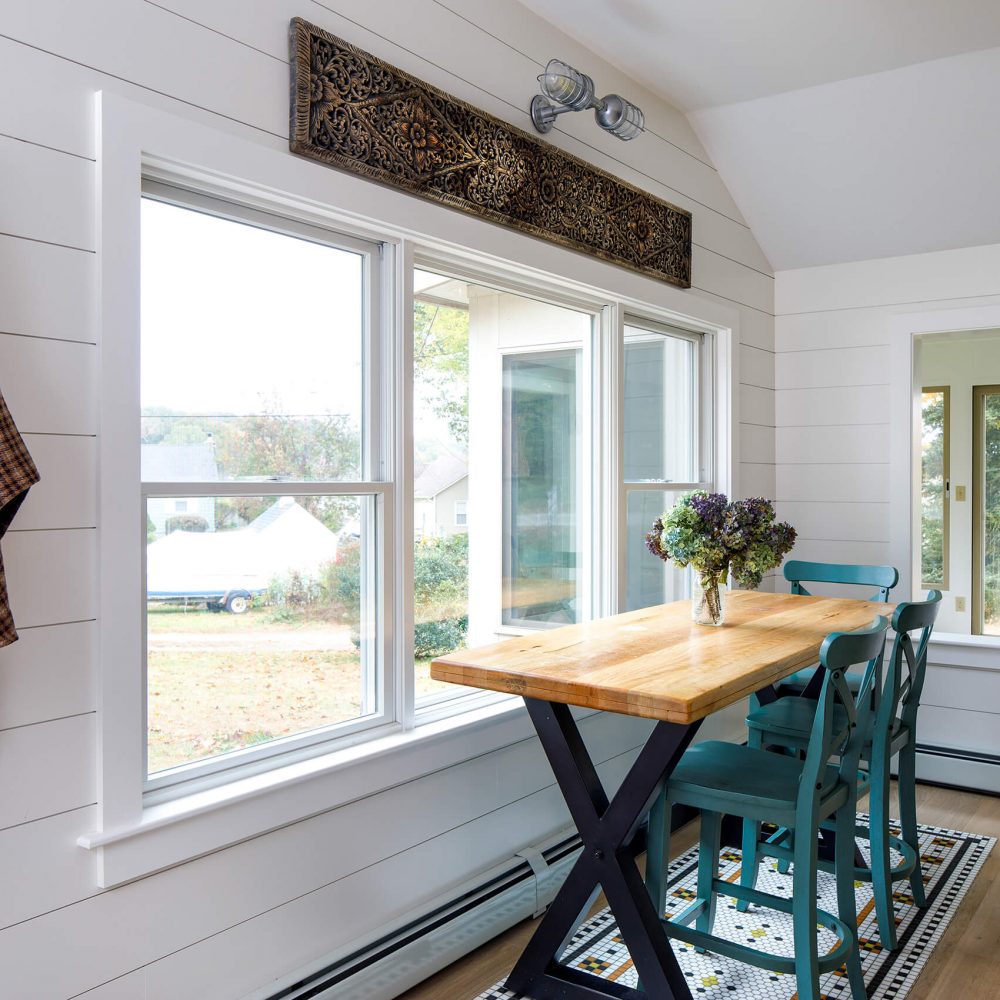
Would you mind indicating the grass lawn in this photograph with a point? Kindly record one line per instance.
(219, 682)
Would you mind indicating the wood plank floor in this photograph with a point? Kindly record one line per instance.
(964, 966)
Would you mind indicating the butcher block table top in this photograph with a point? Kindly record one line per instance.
(656, 662)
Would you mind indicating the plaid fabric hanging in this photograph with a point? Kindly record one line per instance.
(17, 475)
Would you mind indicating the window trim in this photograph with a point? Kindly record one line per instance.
(942, 584)
(135, 838)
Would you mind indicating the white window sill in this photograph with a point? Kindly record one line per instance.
(188, 826)
(976, 652)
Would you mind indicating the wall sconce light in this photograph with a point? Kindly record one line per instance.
(574, 91)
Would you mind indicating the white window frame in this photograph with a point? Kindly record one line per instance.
(135, 837)
(380, 681)
(463, 513)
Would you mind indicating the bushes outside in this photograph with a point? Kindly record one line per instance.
(440, 584)
(185, 522)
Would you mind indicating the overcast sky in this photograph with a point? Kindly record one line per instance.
(232, 314)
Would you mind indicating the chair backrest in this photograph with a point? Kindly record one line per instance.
(900, 693)
(884, 578)
(839, 651)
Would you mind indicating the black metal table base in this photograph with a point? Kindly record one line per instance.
(608, 830)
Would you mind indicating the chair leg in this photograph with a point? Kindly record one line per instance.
(750, 860)
(878, 825)
(846, 902)
(658, 852)
(708, 868)
(804, 917)
(907, 786)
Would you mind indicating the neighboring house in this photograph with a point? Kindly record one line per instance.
(441, 497)
(168, 463)
(285, 538)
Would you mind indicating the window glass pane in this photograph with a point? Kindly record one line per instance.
(542, 464)
(243, 376)
(933, 543)
(659, 407)
(496, 514)
(259, 621)
(648, 580)
(990, 511)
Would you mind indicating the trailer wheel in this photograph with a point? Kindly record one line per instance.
(238, 603)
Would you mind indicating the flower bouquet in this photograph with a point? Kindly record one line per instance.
(715, 536)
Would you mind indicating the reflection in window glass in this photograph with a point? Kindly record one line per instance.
(259, 623)
(542, 462)
(649, 581)
(660, 418)
(933, 479)
(226, 393)
(495, 514)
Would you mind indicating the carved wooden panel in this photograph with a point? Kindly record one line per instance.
(358, 113)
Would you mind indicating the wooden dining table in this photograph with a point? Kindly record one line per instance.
(654, 663)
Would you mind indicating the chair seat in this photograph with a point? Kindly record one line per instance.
(745, 777)
(793, 718)
(796, 683)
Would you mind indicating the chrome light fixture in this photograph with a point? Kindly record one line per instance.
(574, 91)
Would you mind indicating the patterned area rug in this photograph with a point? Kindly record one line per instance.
(950, 859)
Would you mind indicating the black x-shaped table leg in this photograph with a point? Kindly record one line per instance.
(607, 862)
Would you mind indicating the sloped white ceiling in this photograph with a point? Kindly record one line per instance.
(845, 131)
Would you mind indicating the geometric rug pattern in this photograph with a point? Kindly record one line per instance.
(950, 859)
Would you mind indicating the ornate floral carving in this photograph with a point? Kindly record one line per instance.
(355, 112)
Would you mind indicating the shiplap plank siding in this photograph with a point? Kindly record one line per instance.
(757, 444)
(833, 406)
(43, 871)
(236, 919)
(833, 337)
(834, 482)
(46, 571)
(47, 196)
(66, 497)
(757, 405)
(839, 444)
(29, 270)
(46, 768)
(50, 673)
(50, 386)
(820, 369)
(828, 520)
(163, 913)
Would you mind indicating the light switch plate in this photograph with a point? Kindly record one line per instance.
(959, 493)
(959, 603)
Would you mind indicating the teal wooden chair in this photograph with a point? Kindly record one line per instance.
(788, 722)
(799, 572)
(796, 794)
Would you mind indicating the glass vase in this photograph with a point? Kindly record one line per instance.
(708, 600)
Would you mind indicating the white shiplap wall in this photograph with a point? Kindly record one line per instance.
(234, 920)
(834, 334)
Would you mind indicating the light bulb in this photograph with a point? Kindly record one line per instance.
(567, 86)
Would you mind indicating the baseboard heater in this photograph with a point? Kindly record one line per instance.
(970, 770)
(469, 916)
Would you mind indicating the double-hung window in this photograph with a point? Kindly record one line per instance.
(263, 486)
(335, 445)
(667, 445)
